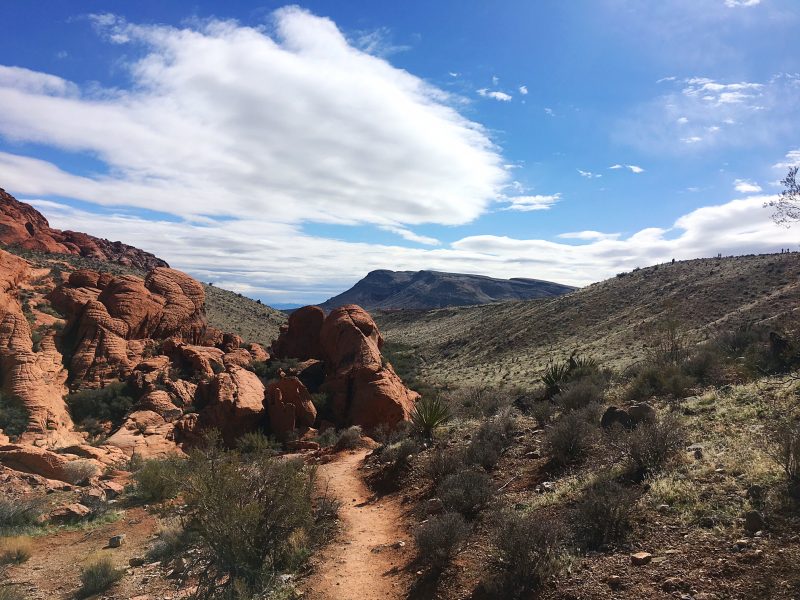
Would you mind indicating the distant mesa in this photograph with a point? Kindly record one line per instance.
(22, 226)
(422, 290)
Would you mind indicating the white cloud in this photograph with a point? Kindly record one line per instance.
(635, 169)
(792, 160)
(694, 139)
(738, 3)
(495, 80)
(496, 95)
(682, 120)
(614, 167)
(589, 235)
(222, 120)
(743, 186)
(409, 235)
(523, 89)
(531, 203)
(589, 174)
(550, 112)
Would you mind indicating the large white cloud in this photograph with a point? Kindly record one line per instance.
(293, 122)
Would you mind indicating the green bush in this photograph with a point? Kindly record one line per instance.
(604, 514)
(444, 462)
(570, 438)
(327, 438)
(160, 479)
(98, 576)
(11, 592)
(253, 517)
(255, 442)
(489, 440)
(440, 538)
(785, 442)
(18, 514)
(653, 380)
(429, 414)
(479, 401)
(13, 417)
(465, 491)
(349, 438)
(580, 393)
(111, 403)
(531, 551)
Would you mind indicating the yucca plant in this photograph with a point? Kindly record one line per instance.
(555, 375)
(429, 414)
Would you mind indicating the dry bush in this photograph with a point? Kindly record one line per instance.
(465, 491)
(440, 538)
(785, 442)
(159, 479)
(79, 472)
(490, 439)
(479, 401)
(11, 592)
(581, 393)
(98, 576)
(15, 550)
(444, 462)
(570, 438)
(17, 514)
(531, 551)
(349, 438)
(648, 447)
(604, 514)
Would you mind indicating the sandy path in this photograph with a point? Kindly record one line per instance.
(364, 562)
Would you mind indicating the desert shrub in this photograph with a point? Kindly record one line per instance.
(531, 551)
(570, 438)
(704, 366)
(654, 380)
(79, 472)
(558, 374)
(785, 442)
(98, 576)
(440, 538)
(479, 401)
(110, 403)
(542, 411)
(255, 442)
(270, 370)
(465, 491)
(253, 517)
(18, 514)
(604, 514)
(429, 414)
(555, 375)
(397, 454)
(15, 550)
(580, 393)
(159, 479)
(349, 438)
(171, 542)
(13, 417)
(327, 438)
(490, 439)
(648, 447)
(386, 434)
(444, 462)
(11, 592)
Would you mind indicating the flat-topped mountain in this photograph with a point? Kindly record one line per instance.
(22, 226)
(394, 290)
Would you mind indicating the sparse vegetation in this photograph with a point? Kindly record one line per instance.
(17, 514)
(604, 514)
(440, 538)
(570, 438)
(15, 550)
(429, 414)
(79, 472)
(159, 479)
(98, 576)
(649, 446)
(255, 442)
(349, 438)
(110, 403)
(13, 417)
(465, 491)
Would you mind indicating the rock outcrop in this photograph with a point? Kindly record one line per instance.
(23, 226)
(363, 389)
(289, 406)
(112, 319)
(232, 402)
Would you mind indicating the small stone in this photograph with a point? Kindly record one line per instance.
(641, 558)
(663, 508)
(69, 513)
(136, 561)
(674, 584)
(434, 506)
(614, 582)
(399, 544)
(116, 541)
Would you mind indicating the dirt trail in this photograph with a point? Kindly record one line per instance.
(365, 562)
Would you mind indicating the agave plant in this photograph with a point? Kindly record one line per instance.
(429, 413)
(555, 375)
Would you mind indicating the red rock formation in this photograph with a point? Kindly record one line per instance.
(146, 434)
(300, 337)
(364, 390)
(23, 226)
(34, 379)
(257, 352)
(111, 318)
(231, 402)
(289, 406)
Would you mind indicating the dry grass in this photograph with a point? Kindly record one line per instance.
(15, 550)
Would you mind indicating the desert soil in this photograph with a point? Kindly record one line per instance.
(369, 560)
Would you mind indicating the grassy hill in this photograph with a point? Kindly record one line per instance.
(612, 320)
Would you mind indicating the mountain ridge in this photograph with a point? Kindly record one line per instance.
(384, 289)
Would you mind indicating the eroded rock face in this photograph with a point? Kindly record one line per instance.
(146, 434)
(112, 319)
(231, 402)
(289, 406)
(363, 389)
(34, 379)
(300, 337)
(23, 226)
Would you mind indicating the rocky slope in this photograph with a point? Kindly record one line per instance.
(393, 290)
(612, 320)
(23, 226)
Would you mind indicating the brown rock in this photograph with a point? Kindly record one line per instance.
(231, 402)
(258, 352)
(69, 514)
(641, 558)
(289, 406)
(300, 338)
(239, 357)
(39, 461)
(146, 434)
(160, 402)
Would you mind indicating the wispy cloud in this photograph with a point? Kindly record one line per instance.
(588, 174)
(409, 235)
(549, 112)
(523, 89)
(531, 203)
(589, 235)
(494, 94)
(792, 159)
(740, 3)
(631, 168)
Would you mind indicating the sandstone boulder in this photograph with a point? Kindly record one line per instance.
(300, 338)
(146, 434)
(289, 406)
(231, 402)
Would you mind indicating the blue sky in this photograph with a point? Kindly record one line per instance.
(286, 150)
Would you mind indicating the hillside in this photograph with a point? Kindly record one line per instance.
(24, 227)
(394, 290)
(610, 320)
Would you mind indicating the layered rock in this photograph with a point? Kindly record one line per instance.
(23, 226)
(33, 379)
(111, 319)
